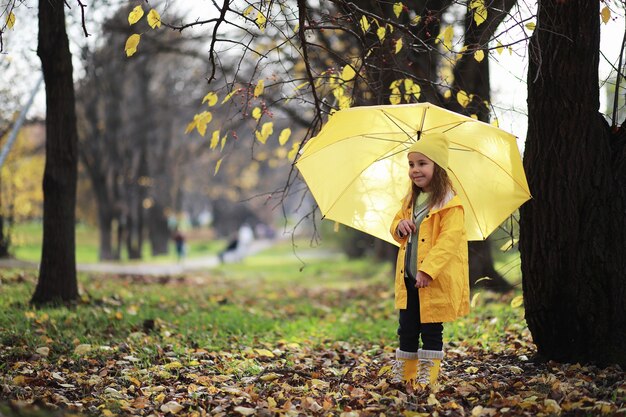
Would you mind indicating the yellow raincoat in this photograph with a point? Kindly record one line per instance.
(442, 254)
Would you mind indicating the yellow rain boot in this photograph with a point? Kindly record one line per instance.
(404, 367)
(429, 365)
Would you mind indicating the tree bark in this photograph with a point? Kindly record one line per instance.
(57, 273)
(572, 239)
(158, 230)
(5, 241)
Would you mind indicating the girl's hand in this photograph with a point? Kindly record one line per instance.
(405, 227)
(422, 280)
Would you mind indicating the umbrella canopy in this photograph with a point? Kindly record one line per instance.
(357, 169)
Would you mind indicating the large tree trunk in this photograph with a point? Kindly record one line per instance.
(57, 272)
(572, 234)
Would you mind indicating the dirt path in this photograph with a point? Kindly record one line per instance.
(187, 265)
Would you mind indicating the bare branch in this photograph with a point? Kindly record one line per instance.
(302, 34)
(82, 14)
(212, 52)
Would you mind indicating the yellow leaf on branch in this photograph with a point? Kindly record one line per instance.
(135, 15)
(479, 55)
(204, 119)
(284, 136)
(499, 48)
(398, 45)
(412, 89)
(396, 96)
(397, 9)
(294, 151)
(381, 32)
(531, 26)
(463, 98)
(256, 113)
(348, 73)
(154, 19)
(210, 98)
(260, 21)
(266, 131)
(605, 14)
(217, 166)
(258, 90)
(11, 20)
(229, 95)
(215, 139)
(365, 24)
(248, 10)
(480, 11)
(131, 44)
(199, 122)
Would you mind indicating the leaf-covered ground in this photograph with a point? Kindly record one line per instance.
(238, 343)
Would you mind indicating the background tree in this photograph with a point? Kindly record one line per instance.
(132, 116)
(572, 238)
(57, 273)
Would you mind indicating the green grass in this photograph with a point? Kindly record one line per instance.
(268, 299)
(27, 240)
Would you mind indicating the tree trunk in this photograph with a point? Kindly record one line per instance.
(159, 231)
(572, 239)
(57, 272)
(105, 229)
(4, 232)
(4, 240)
(481, 266)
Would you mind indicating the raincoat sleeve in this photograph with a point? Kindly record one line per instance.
(448, 242)
(394, 226)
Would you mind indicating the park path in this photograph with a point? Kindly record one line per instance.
(145, 268)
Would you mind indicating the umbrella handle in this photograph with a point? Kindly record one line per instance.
(407, 258)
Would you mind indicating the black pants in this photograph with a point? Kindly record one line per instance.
(411, 328)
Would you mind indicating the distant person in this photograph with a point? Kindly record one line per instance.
(239, 246)
(230, 248)
(179, 242)
(245, 236)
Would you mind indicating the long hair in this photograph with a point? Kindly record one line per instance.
(440, 186)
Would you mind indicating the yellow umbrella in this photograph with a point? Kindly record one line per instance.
(357, 169)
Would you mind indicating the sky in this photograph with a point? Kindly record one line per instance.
(508, 69)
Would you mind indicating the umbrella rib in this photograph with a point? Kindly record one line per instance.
(396, 120)
(471, 206)
(492, 161)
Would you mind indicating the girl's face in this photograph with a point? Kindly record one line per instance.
(421, 170)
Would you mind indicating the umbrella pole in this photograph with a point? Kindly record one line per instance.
(407, 259)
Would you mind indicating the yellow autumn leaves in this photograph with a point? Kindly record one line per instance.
(10, 21)
(202, 119)
(154, 21)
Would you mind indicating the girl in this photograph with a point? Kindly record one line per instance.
(432, 273)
